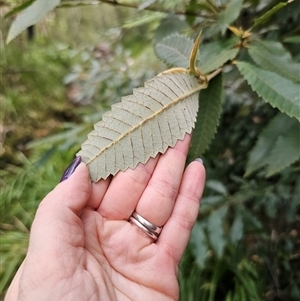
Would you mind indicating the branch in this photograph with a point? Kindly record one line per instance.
(133, 5)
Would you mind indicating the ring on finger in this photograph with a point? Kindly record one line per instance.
(142, 227)
(153, 228)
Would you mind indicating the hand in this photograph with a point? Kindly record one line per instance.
(82, 246)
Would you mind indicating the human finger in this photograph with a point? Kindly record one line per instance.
(59, 212)
(176, 232)
(125, 190)
(157, 201)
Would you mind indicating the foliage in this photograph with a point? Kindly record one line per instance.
(245, 244)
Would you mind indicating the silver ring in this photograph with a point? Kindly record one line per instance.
(154, 229)
(142, 227)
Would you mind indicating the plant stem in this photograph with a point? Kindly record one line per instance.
(131, 5)
(215, 73)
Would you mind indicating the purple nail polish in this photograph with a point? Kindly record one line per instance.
(199, 160)
(70, 169)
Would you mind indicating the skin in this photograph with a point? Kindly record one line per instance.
(82, 246)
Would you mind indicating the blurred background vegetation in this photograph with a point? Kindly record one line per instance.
(59, 77)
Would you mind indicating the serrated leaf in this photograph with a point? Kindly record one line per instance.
(171, 24)
(285, 151)
(174, 50)
(276, 48)
(274, 89)
(142, 124)
(208, 117)
(214, 55)
(229, 14)
(30, 16)
(259, 155)
(278, 64)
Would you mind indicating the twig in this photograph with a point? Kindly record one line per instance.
(215, 73)
(136, 6)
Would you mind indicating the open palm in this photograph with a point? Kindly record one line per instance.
(82, 246)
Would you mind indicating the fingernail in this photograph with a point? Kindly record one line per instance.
(70, 169)
(199, 160)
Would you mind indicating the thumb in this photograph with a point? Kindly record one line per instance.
(73, 192)
(59, 211)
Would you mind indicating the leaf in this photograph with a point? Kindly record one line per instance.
(216, 186)
(171, 24)
(278, 64)
(19, 8)
(30, 16)
(208, 117)
(215, 230)
(266, 16)
(174, 50)
(145, 19)
(237, 229)
(274, 89)
(285, 151)
(215, 55)
(142, 124)
(146, 4)
(229, 14)
(292, 40)
(198, 243)
(277, 127)
(276, 49)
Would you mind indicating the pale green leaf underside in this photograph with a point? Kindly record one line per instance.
(142, 125)
(281, 65)
(274, 89)
(174, 50)
(30, 16)
(208, 117)
(279, 126)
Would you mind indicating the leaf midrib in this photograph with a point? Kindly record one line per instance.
(151, 117)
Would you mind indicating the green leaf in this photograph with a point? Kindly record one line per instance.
(146, 4)
(170, 25)
(292, 40)
(174, 50)
(216, 186)
(237, 229)
(259, 155)
(208, 117)
(19, 8)
(278, 64)
(215, 55)
(198, 243)
(266, 16)
(276, 49)
(285, 151)
(215, 230)
(30, 16)
(229, 14)
(142, 20)
(274, 89)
